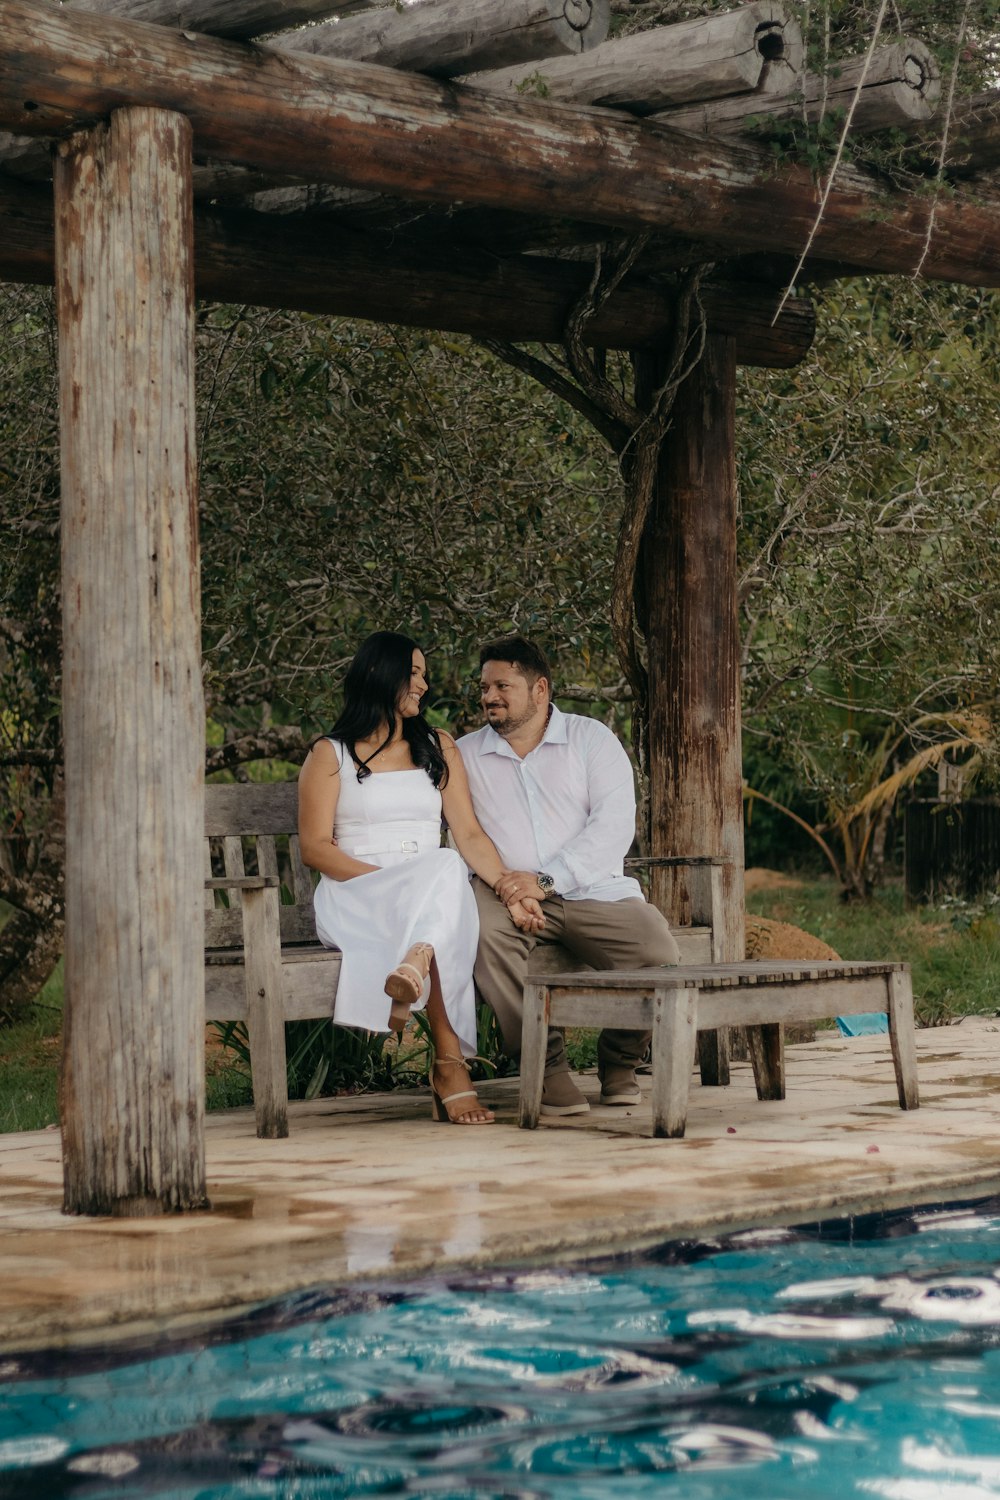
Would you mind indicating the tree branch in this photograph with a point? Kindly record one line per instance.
(616, 433)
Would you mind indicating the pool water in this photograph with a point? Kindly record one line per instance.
(856, 1358)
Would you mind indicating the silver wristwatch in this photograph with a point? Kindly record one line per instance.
(546, 884)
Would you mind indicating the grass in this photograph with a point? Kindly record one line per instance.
(29, 1068)
(29, 1063)
(954, 951)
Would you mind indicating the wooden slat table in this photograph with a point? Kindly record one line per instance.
(676, 1003)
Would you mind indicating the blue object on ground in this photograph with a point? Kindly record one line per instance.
(868, 1023)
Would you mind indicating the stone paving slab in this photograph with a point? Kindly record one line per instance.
(371, 1187)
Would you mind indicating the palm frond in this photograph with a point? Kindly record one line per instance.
(888, 790)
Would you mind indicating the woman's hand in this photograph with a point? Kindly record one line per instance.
(527, 915)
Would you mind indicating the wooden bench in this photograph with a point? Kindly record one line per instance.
(675, 1003)
(263, 962)
(264, 965)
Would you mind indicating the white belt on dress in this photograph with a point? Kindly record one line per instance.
(386, 840)
(401, 846)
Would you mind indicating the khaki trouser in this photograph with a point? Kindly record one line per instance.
(605, 934)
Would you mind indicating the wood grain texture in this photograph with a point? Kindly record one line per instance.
(900, 86)
(265, 1013)
(328, 120)
(904, 1051)
(534, 1037)
(675, 1031)
(133, 710)
(238, 20)
(689, 579)
(676, 1003)
(444, 38)
(263, 963)
(973, 137)
(234, 811)
(708, 977)
(691, 628)
(705, 58)
(309, 265)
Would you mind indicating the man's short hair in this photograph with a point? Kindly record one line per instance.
(524, 654)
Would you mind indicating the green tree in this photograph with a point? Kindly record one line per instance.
(870, 544)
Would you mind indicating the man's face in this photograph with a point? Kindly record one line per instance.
(509, 700)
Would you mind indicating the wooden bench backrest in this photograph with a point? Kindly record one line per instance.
(259, 821)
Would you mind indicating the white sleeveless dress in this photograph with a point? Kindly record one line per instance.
(419, 894)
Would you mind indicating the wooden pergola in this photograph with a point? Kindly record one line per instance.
(157, 152)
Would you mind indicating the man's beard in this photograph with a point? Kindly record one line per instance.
(510, 724)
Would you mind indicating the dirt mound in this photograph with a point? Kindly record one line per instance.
(759, 879)
(768, 939)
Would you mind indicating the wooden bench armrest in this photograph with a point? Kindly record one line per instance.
(674, 861)
(243, 883)
(704, 886)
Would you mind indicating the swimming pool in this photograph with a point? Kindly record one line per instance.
(856, 1358)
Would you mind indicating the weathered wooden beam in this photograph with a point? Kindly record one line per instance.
(440, 37)
(706, 58)
(133, 710)
(245, 257)
(896, 86)
(973, 138)
(446, 37)
(239, 20)
(369, 127)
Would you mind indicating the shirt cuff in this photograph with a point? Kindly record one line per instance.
(561, 874)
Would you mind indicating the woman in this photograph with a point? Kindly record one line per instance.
(397, 905)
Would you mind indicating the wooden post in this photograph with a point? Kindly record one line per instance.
(689, 585)
(133, 1072)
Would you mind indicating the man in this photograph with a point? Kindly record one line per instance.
(555, 793)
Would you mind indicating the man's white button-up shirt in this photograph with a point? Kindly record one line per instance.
(567, 807)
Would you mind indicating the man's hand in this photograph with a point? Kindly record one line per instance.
(526, 915)
(515, 885)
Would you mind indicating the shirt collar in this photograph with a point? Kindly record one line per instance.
(555, 734)
(555, 730)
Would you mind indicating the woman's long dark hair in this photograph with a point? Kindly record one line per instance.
(374, 683)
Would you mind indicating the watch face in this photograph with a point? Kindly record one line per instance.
(545, 882)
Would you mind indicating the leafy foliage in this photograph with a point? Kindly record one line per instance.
(954, 949)
(870, 545)
(356, 478)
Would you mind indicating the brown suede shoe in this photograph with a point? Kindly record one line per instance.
(560, 1096)
(618, 1086)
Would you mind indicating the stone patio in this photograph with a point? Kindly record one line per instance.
(370, 1187)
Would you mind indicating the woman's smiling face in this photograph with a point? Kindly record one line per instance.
(413, 695)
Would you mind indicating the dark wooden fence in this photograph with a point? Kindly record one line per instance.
(951, 848)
